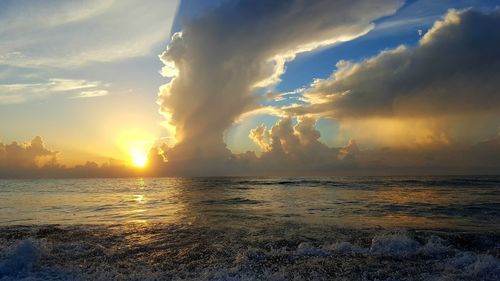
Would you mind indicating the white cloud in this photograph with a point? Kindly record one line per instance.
(22, 92)
(92, 94)
(74, 33)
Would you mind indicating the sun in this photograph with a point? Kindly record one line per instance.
(139, 158)
(139, 153)
(135, 145)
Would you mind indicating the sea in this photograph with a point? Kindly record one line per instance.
(326, 228)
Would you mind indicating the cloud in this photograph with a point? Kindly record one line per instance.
(479, 158)
(295, 150)
(34, 159)
(22, 92)
(24, 155)
(73, 33)
(92, 94)
(286, 147)
(290, 150)
(452, 71)
(404, 111)
(443, 90)
(222, 57)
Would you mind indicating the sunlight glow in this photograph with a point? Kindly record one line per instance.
(139, 157)
(139, 151)
(136, 144)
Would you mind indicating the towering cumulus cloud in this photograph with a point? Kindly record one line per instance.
(220, 59)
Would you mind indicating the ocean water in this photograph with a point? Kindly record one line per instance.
(338, 228)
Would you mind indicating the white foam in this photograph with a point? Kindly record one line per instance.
(474, 265)
(394, 246)
(20, 259)
(436, 259)
(436, 247)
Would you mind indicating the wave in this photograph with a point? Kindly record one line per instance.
(232, 201)
(375, 182)
(181, 252)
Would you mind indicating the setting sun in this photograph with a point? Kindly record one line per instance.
(139, 158)
(138, 151)
(136, 145)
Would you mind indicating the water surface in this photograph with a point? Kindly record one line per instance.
(339, 228)
(431, 202)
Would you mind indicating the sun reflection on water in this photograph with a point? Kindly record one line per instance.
(150, 202)
(139, 198)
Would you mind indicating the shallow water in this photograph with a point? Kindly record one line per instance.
(380, 228)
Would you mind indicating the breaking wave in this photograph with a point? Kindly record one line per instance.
(184, 252)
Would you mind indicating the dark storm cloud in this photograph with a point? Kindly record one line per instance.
(454, 70)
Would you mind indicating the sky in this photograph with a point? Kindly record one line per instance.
(125, 88)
